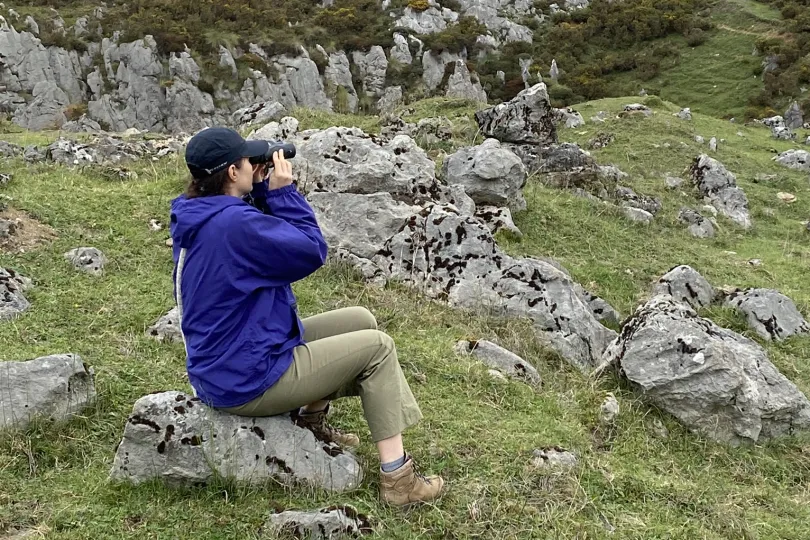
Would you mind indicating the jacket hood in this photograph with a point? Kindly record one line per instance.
(189, 215)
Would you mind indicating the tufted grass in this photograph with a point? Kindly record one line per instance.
(478, 432)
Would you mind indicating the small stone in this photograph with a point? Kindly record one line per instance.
(167, 328)
(755, 262)
(5, 178)
(699, 139)
(495, 374)
(673, 182)
(609, 410)
(170, 242)
(786, 197)
(713, 144)
(499, 358)
(710, 209)
(658, 429)
(155, 225)
(553, 458)
(87, 259)
(684, 114)
(332, 523)
(638, 215)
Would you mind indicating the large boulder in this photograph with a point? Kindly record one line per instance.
(490, 173)
(52, 387)
(716, 382)
(167, 328)
(526, 119)
(685, 284)
(263, 112)
(173, 437)
(451, 255)
(12, 300)
(719, 186)
(794, 159)
(771, 314)
(347, 160)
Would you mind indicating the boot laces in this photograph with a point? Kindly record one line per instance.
(417, 473)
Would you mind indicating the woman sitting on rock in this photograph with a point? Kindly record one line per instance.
(240, 241)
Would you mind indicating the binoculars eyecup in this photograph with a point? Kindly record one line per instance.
(288, 148)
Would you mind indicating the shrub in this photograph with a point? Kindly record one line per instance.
(418, 5)
(695, 37)
(75, 111)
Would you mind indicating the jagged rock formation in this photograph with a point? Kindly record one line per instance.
(12, 300)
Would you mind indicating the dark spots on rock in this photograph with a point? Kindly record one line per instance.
(257, 457)
(332, 450)
(161, 447)
(180, 397)
(533, 301)
(258, 431)
(189, 404)
(169, 433)
(194, 440)
(461, 234)
(553, 308)
(140, 420)
(692, 291)
(685, 348)
(180, 410)
(280, 463)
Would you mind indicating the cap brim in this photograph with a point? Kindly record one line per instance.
(255, 148)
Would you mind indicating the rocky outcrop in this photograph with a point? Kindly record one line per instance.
(771, 314)
(434, 67)
(12, 299)
(463, 85)
(372, 67)
(432, 20)
(188, 109)
(500, 359)
(108, 150)
(332, 523)
(719, 186)
(52, 387)
(526, 119)
(490, 173)
(685, 284)
(716, 382)
(173, 437)
(339, 85)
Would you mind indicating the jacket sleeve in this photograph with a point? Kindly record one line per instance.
(283, 247)
(257, 198)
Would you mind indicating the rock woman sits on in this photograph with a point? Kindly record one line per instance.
(240, 240)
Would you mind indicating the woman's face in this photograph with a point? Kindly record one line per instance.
(241, 176)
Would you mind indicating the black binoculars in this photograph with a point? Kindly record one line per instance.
(275, 146)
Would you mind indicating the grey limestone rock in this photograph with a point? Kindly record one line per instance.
(167, 328)
(501, 359)
(12, 299)
(771, 314)
(173, 437)
(685, 284)
(332, 523)
(526, 119)
(54, 387)
(87, 259)
(719, 186)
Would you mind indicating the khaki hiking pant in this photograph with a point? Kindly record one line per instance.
(344, 355)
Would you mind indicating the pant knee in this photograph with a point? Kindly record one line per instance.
(366, 318)
(387, 344)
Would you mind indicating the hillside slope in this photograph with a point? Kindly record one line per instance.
(479, 431)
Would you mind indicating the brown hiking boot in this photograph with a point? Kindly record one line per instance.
(316, 423)
(406, 486)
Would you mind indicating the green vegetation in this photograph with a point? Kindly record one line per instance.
(478, 432)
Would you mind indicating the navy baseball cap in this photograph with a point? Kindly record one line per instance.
(214, 149)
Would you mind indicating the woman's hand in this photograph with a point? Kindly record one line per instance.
(282, 172)
(259, 173)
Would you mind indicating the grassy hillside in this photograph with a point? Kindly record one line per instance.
(478, 432)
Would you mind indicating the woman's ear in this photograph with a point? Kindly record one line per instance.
(232, 170)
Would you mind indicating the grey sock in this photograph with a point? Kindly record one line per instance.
(394, 465)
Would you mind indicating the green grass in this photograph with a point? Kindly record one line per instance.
(478, 432)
